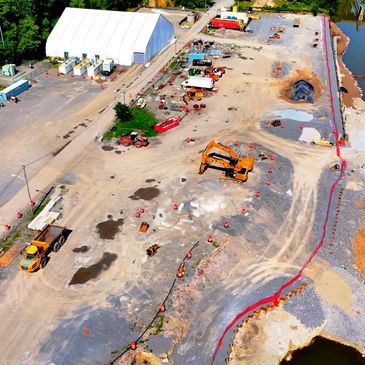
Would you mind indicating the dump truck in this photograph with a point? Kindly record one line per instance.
(51, 238)
(235, 168)
(199, 82)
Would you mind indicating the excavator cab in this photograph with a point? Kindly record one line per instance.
(235, 168)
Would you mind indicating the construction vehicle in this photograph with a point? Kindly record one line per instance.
(51, 238)
(235, 168)
(198, 82)
(192, 94)
(296, 22)
(216, 70)
(194, 71)
(323, 142)
(135, 139)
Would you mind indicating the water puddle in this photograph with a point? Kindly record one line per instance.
(145, 193)
(84, 274)
(322, 351)
(294, 115)
(108, 229)
(81, 249)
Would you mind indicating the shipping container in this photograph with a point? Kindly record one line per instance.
(228, 24)
(14, 89)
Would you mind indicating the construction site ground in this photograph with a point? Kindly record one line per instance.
(64, 315)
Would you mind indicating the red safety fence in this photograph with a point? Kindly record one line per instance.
(276, 296)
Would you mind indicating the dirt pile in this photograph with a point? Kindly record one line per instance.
(286, 85)
(359, 246)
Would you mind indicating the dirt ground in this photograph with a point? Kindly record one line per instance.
(347, 81)
(101, 289)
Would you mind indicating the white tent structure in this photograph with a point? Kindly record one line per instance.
(125, 37)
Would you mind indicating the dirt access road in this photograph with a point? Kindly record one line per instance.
(257, 252)
(55, 166)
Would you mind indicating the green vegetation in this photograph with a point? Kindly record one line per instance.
(315, 6)
(123, 112)
(141, 120)
(26, 24)
(243, 5)
(159, 324)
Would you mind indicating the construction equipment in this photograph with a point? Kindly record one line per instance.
(151, 251)
(135, 139)
(234, 167)
(194, 71)
(51, 238)
(193, 94)
(323, 142)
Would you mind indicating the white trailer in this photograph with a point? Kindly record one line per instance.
(108, 65)
(67, 66)
(199, 82)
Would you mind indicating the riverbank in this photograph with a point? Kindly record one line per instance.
(347, 81)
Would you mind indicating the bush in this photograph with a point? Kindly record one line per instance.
(142, 121)
(123, 112)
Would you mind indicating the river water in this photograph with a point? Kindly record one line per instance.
(354, 57)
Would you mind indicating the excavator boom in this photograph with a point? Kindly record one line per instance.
(231, 164)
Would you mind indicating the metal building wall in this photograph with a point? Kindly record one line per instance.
(161, 36)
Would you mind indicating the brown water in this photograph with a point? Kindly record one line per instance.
(145, 193)
(108, 229)
(81, 249)
(84, 274)
(323, 351)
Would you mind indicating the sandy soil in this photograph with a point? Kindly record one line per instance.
(257, 251)
(264, 2)
(359, 248)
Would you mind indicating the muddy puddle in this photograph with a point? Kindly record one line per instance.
(84, 274)
(107, 148)
(145, 193)
(108, 229)
(81, 249)
(323, 351)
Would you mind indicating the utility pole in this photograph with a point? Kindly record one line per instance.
(2, 38)
(29, 196)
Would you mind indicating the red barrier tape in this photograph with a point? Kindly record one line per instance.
(275, 298)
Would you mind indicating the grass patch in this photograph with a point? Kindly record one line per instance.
(143, 121)
(2, 87)
(243, 5)
(10, 239)
(159, 324)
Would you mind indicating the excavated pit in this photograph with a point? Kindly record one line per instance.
(323, 351)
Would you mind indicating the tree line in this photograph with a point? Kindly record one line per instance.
(26, 24)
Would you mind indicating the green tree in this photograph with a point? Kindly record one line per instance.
(29, 41)
(123, 112)
(77, 4)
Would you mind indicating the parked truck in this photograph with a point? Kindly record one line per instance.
(199, 82)
(51, 238)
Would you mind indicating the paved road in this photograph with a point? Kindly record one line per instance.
(84, 143)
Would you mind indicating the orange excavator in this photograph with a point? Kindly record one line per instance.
(235, 168)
